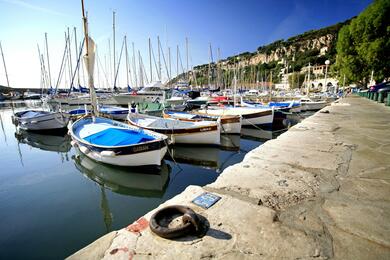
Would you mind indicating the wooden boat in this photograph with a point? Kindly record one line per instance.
(36, 120)
(229, 124)
(203, 132)
(250, 116)
(115, 143)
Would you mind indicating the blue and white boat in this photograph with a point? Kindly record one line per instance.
(116, 143)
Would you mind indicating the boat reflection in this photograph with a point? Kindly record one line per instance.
(230, 142)
(256, 134)
(202, 156)
(140, 182)
(48, 142)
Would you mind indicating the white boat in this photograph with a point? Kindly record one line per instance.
(31, 95)
(204, 132)
(309, 105)
(153, 92)
(229, 124)
(37, 120)
(108, 141)
(116, 113)
(250, 116)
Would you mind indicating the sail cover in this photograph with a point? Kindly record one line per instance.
(89, 60)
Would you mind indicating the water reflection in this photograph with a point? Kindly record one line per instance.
(124, 180)
(49, 142)
(256, 134)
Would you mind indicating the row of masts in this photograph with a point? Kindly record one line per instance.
(107, 73)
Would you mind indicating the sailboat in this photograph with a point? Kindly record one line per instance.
(109, 141)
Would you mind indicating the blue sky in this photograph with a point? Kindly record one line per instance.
(233, 26)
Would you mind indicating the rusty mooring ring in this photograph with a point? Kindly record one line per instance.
(191, 222)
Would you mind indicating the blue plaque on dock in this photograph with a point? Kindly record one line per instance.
(206, 200)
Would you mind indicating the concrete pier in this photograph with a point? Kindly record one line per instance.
(320, 190)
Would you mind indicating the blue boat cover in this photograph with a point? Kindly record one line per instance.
(118, 137)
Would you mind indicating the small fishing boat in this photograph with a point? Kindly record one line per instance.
(250, 116)
(202, 132)
(229, 124)
(108, 141)
(36, 120)
(116, 113)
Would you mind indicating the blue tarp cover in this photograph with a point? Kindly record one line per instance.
(118, 137)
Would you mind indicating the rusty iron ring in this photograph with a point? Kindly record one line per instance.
(191, 222)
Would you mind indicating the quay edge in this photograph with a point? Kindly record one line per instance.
(320, 190)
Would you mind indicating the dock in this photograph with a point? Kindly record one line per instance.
(320, 190)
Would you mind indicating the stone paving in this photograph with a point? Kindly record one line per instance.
(320, 190)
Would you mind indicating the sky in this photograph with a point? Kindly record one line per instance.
(232, 26)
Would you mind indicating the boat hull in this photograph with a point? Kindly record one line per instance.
(153, 157)
(46, 122)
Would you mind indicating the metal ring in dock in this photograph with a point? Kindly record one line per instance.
(191, 223)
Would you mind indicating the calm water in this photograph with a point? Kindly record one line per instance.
(54, 202)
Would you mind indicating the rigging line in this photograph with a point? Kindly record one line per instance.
(62, 65)
(119, 62)
(154, 57)
(165, 63)
(77, 67)
(102, 68)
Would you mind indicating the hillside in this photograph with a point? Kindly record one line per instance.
(312, 47)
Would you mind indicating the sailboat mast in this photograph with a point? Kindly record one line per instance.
(70, 58)
(177, 60)
(90, 75)
(134, 66)
(159, 59)
(169, 61)
(5, 68)
(188, 76)
(76, 48)
(113, 33)
(127, 62)
(150, 60)
(47, 55)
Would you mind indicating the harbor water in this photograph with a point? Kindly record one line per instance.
(54, 201)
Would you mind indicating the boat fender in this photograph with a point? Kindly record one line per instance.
(107, 153)
(191, 223)
(73, 143)
(84, 149)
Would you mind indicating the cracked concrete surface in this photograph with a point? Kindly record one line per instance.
(320, 190)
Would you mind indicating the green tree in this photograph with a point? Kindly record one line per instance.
(364, 45)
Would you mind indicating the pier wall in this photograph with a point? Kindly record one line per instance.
(320, 190)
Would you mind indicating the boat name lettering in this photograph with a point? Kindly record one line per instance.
(141, 148)
(205, 129)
